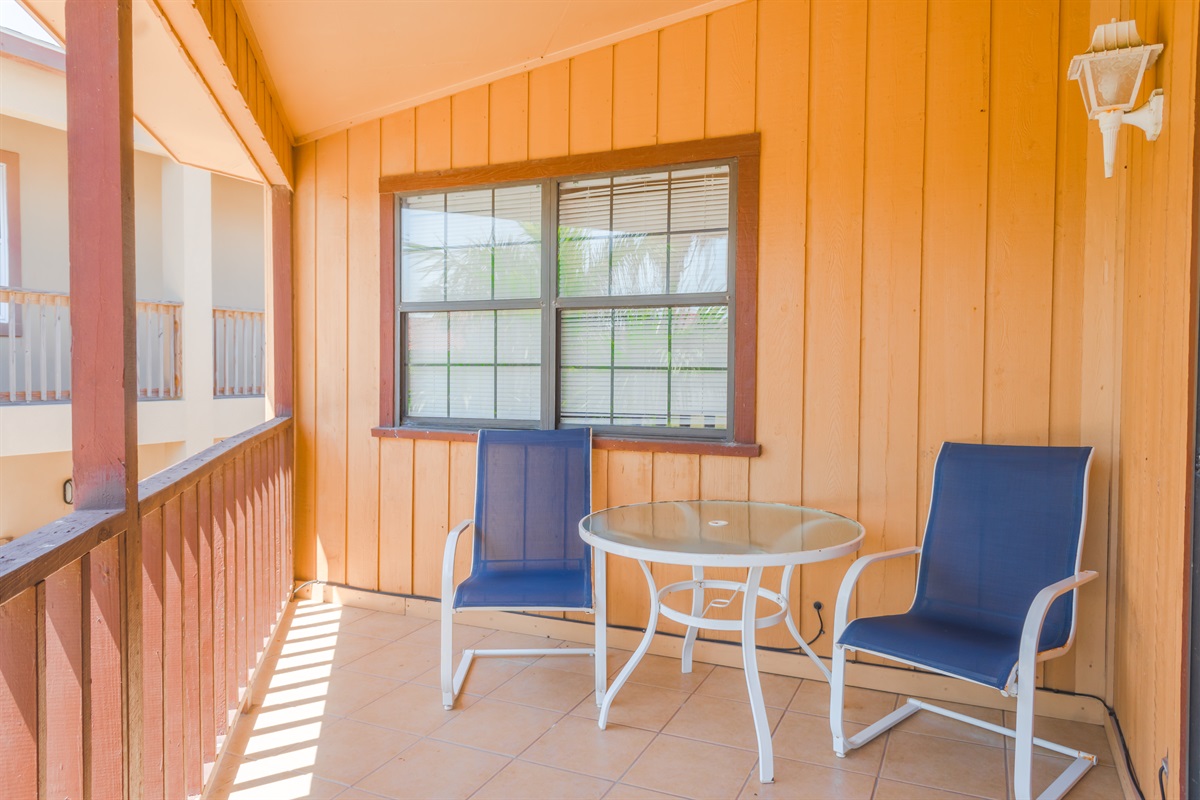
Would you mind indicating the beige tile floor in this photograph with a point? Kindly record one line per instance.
(352, 711)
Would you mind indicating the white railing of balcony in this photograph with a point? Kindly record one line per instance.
(239, 352)
(35, 347)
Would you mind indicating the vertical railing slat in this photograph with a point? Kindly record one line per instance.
(58, 351)
(27, 347)
(104, 754)
(208, 730)
(233, 600)
(19, 696)
(43, 382)
(153, 652)
(161, 352)
(216, 486)
(12, 352)
(245, 651)
(177, 350)
(193, 748)
(61, 704)
(238, 335)
(173, 704)
(260, 573)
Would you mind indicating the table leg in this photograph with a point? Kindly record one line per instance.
(627, 670)
(697, 609)
(785, 589)
(599, 557)
(762, 729)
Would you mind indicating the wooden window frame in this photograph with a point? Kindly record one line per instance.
(743, 149)
(12, 201)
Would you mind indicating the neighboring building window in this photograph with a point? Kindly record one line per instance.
(605, 300)
(10, 238)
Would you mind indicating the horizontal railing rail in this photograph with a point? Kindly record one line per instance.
(239, 352)
(125, 648)
(35, 347)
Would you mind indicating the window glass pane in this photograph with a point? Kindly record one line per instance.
(648, 233)
(653, 367)
(478, 365)
(640, 202)
(699, 262)
(427, 391)
(583, 264)
(518, 392)
(477, 245)
(639, 264)
(586, 396)
(422, 248)
(586, 206)
(700, 199)
(472, 392)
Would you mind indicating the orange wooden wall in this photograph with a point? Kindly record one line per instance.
(940, 259)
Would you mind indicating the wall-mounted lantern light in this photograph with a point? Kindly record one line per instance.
(1110, 76)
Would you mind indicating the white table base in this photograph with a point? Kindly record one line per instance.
(695, 621)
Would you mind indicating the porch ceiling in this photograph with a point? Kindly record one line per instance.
(334, 65)
(170, 99)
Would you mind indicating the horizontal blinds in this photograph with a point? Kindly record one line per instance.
(473, 365)
(660, 367)
(650, 233)
(477, 245)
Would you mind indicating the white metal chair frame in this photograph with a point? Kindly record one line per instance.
(452, 682)
(1022, 681)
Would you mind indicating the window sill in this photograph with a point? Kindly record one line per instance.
(683, 446)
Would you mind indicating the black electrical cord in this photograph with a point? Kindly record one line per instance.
(817, 605)
(1162, 788)
(1120, 738)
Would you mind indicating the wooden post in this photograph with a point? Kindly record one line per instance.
(281, 283)
(104, 394)
(100, 203)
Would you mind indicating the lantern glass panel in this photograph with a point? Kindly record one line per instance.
(1115, 78)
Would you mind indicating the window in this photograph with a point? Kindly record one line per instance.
(608, 297)
(10, 239)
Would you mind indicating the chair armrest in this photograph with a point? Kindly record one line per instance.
(448, 560)
(1031, 631)
(842, 608)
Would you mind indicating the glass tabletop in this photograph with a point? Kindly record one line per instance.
(722, 533)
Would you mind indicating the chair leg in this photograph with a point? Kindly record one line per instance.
(447, 658)
(1023, 755)
(837, 696)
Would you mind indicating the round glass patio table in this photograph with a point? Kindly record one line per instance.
(717, 533)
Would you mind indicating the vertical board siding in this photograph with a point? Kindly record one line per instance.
(60, 706)
(635, 99)
(304, 266)
(937, 261)
(19, 695)
(362, 496)
(1154, 407)
(549, 120)
(954, 239)
(894, 159)
(833, 291)
(331, 354)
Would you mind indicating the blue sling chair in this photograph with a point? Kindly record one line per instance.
(531, 490)
(996, 586)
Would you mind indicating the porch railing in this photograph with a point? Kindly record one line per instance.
(239, 348)
(35, 347)
(125, 649)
